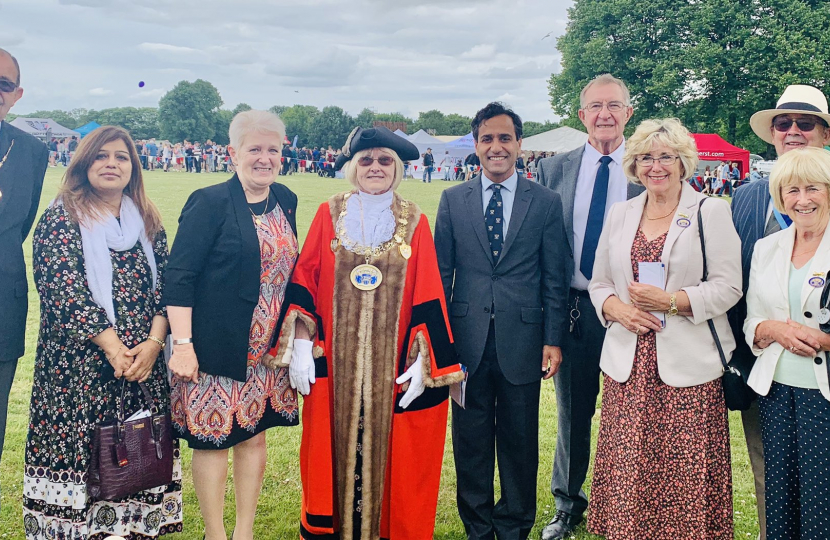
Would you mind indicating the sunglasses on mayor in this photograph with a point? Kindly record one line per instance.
(784, 123)
(385, 161)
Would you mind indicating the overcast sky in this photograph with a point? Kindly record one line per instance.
(389, 55)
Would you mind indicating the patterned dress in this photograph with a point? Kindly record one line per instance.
(662, 466)
(74, 389)
(219, 412)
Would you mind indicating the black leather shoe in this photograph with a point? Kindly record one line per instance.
(561, 526)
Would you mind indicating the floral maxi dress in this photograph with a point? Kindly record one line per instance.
(662, 468)
(74, 389)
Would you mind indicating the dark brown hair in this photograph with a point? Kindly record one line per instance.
(80, 199)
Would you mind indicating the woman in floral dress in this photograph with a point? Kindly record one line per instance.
(99, 258)
(662, 466)
(234, 253)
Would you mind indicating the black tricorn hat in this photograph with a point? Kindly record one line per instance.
(376, 137)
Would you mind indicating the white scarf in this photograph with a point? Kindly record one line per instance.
(369, 220)
(98, 237)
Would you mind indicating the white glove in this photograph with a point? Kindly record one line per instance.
(301, 368)
(415, 376)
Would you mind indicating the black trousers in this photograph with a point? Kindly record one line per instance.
(577, 387)
(7, 370)
(500, 421)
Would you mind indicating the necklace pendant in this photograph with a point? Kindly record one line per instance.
(406, 251)
(366, 277)
(258, 221)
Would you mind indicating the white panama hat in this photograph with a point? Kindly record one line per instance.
(797, 98)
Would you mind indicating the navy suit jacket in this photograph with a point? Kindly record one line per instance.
(21, 181)
(749, 215)
(528, 285)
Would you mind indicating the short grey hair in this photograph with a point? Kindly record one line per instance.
(14, 61)
(350, 169)
(254, 121)
(669, 132)
(601, 80)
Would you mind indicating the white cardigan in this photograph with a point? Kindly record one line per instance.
(768, 299)
(686, 352)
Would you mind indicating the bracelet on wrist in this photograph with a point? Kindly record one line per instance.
(183, 341)
(156, 340)
(109, 358)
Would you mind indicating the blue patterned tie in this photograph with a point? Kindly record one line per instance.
(596, 216)
(494, 219)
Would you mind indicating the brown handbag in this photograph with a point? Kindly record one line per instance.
(131, 456)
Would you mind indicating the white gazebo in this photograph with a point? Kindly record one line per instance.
(42, 128)
(557, 140)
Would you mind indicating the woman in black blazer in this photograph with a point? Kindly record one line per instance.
(233, 256)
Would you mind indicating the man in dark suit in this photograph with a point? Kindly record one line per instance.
(755, 218)
(589, 180)
(23, 162)
(502, 254)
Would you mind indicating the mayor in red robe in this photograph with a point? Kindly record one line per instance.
(367, 341)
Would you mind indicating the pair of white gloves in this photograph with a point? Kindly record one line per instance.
(301, 373)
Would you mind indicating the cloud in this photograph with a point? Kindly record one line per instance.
(100, 92)
(168, 52)
(480, 52)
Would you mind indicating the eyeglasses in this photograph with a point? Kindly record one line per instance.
(784, 123)
(384, 161)
(648, 161)
(613, 106)
(7, 86)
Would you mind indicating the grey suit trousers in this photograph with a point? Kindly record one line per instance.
(577, 387)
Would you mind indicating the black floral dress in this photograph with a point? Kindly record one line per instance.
(74, 389)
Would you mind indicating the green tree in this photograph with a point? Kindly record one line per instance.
(298, 121)
(712, 63)
(433, 122)
(456, 124)
(531, 128)
(331, 127)
(142, 123)
(222, 123)
(189, 111)
(365, 118)
(242, 107)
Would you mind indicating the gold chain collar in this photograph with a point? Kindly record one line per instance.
(366, 251)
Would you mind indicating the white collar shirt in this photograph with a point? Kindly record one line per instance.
(617, 191)
(508, 194)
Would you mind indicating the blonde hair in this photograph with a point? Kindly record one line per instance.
(602, 80)
(350, 169)
(81, 200)
(253, 121)
(800, 166)
(667, 131)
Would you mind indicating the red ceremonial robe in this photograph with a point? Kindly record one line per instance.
(363, 341)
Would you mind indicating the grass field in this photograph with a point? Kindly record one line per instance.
(278, 512)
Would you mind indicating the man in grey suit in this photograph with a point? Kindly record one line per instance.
(589, 180)
(755, 218)
(23, 161)
(503, 257)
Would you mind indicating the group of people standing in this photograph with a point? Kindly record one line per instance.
(596, 268)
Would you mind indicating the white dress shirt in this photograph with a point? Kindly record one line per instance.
(508, 193)
(617, 192)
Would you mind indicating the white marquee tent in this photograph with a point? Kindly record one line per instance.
(43, 127)
(556, 140)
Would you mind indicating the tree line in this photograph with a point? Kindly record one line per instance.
(711, 63)
(193, 111)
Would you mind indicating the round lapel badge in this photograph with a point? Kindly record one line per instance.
(816, 282)
(683, 222)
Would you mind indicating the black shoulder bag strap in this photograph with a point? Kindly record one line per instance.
(710, 322)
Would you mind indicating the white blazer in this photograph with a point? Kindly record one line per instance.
(768, 299)
(686, 352)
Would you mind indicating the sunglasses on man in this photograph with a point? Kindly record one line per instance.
(784, 123)
(7, 86)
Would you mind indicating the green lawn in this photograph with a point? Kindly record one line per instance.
(278, 514)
